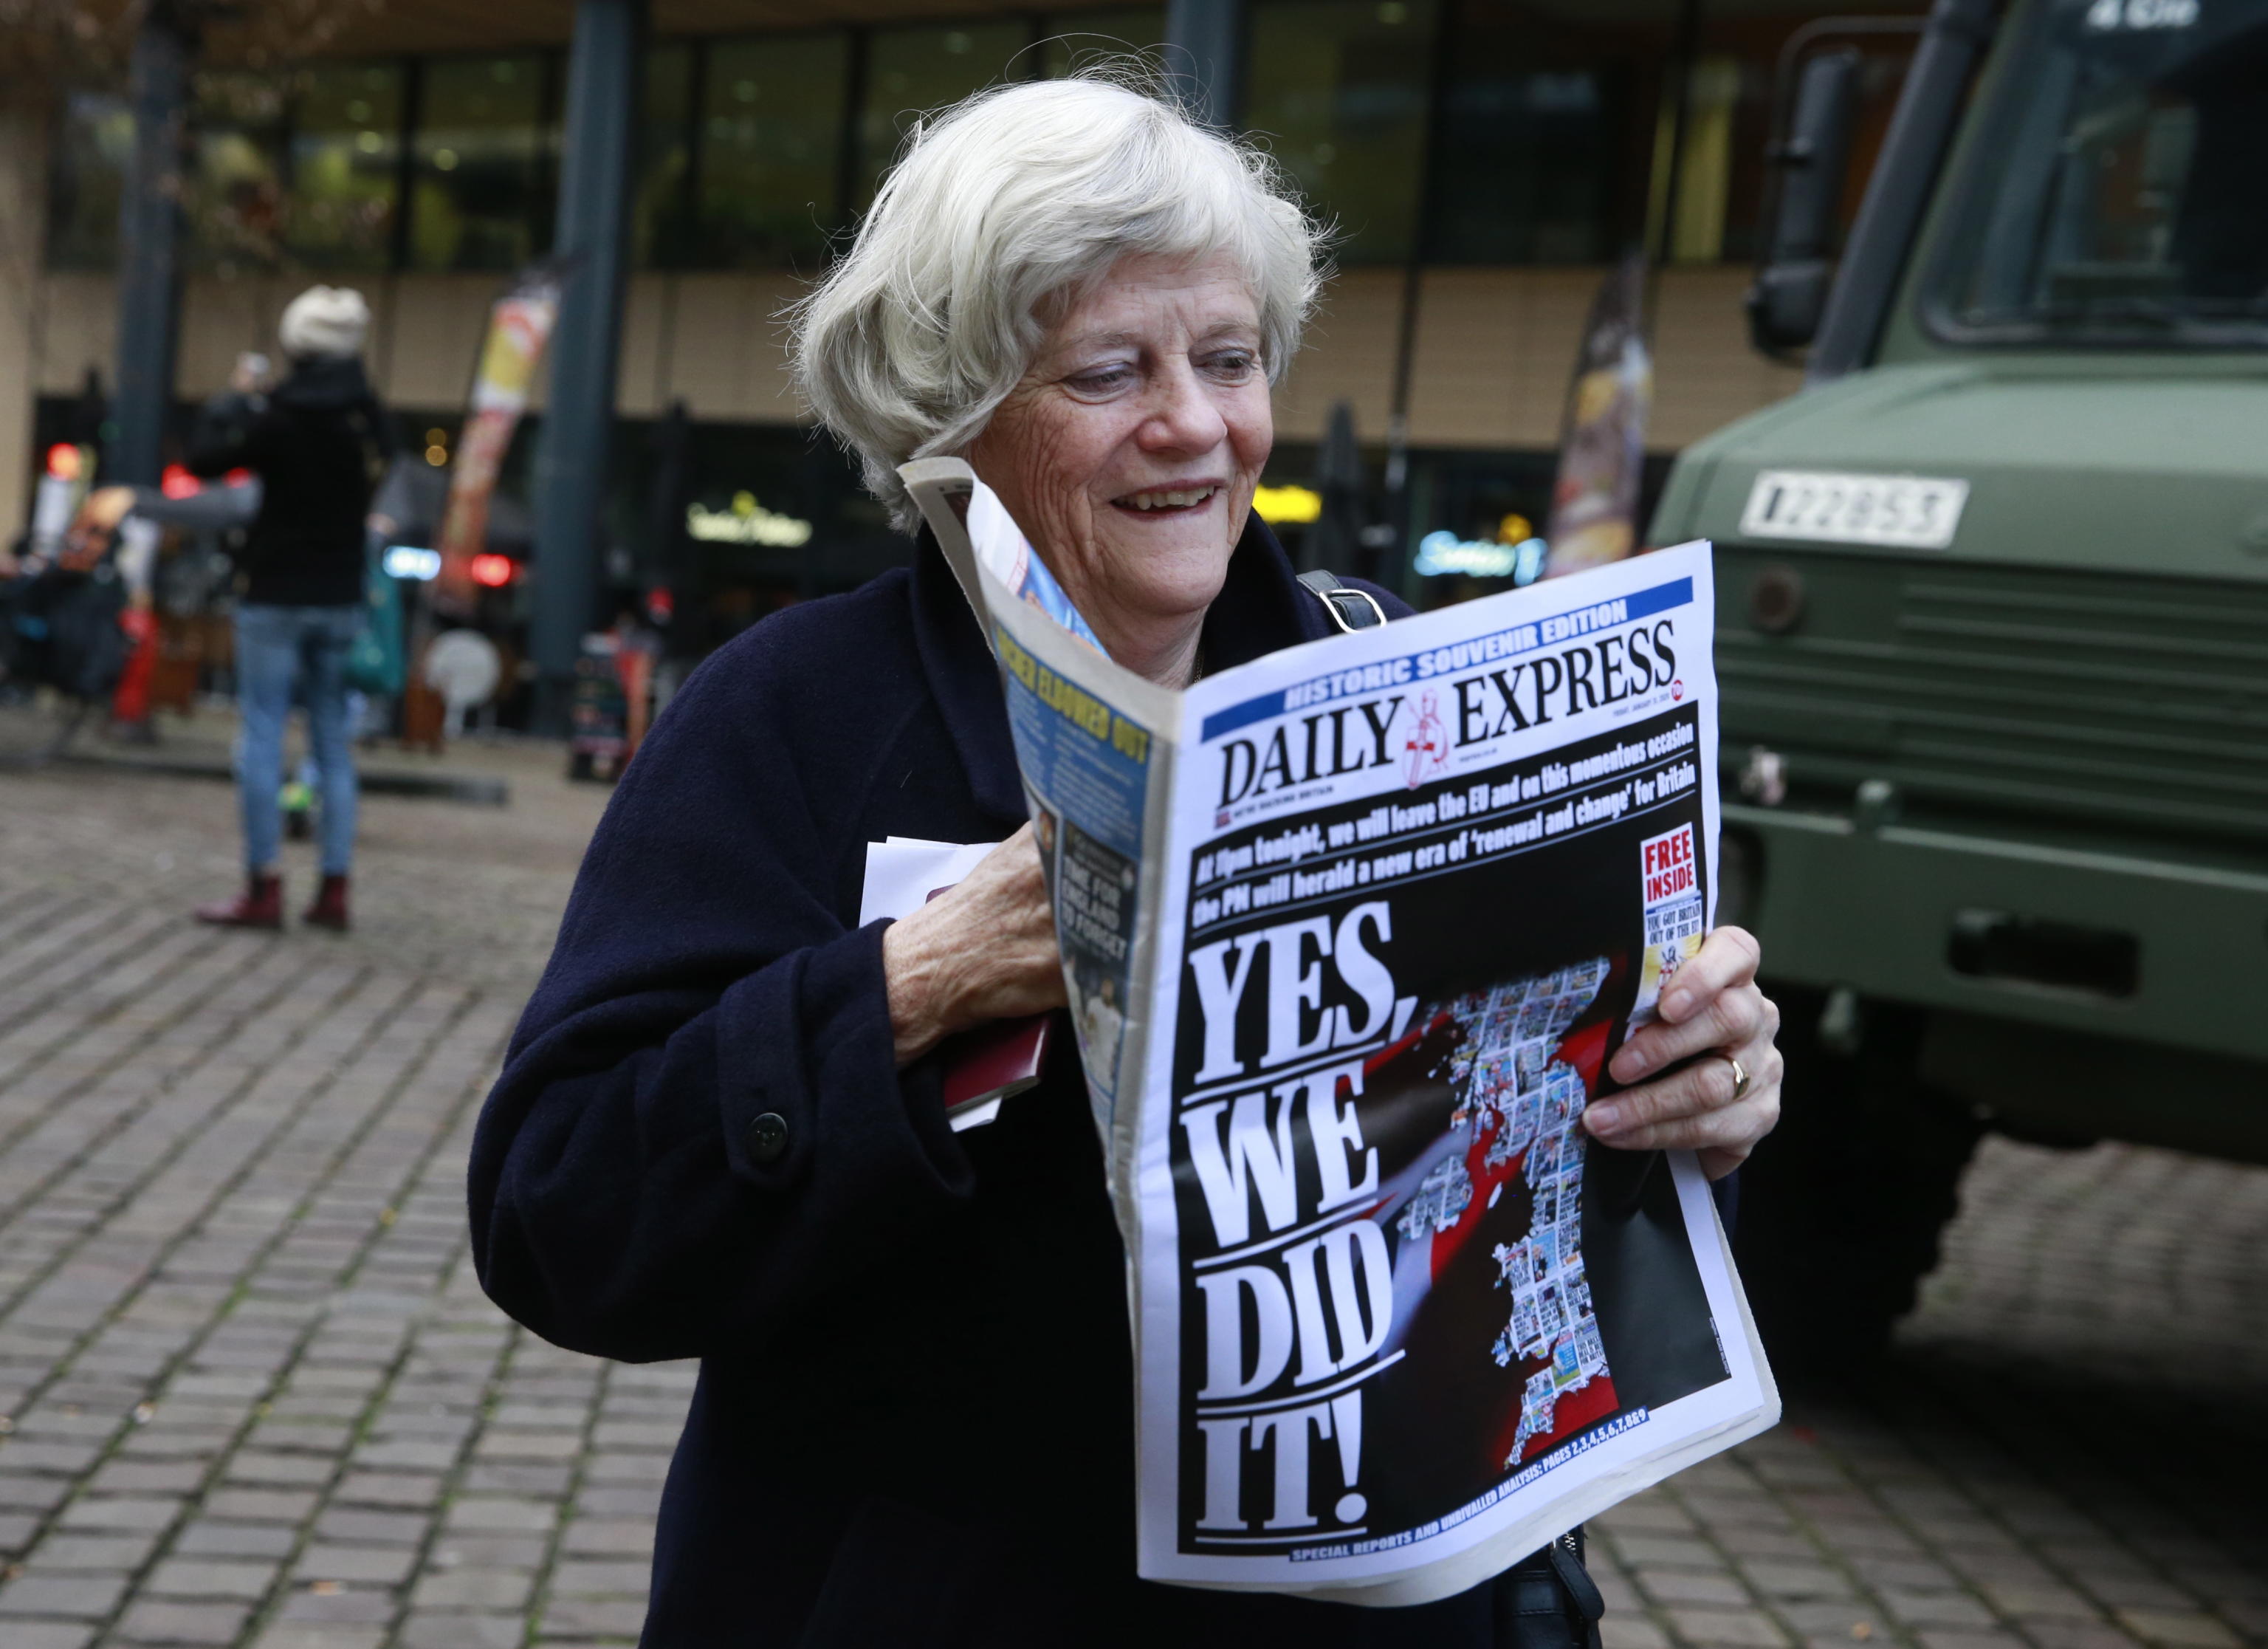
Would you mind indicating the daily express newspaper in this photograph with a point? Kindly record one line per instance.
(1350, 933)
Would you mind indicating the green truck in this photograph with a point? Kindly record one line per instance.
(1992, 599)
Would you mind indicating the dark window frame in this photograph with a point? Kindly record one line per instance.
(289, 129)
(58, 127)
(1622, 188)
(697, 111)
(550, 96)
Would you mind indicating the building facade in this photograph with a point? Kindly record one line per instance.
(1481, 161)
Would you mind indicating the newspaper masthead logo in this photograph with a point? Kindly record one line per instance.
(1343, 739)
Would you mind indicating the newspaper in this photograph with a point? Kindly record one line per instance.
(1348, 934)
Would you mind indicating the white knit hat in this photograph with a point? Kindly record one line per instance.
(324, 320)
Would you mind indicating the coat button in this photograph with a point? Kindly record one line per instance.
(767, 1137)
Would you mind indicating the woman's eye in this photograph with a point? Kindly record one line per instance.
(1102, 380)
(1233, 364)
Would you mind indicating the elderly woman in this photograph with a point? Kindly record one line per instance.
(719, 1132)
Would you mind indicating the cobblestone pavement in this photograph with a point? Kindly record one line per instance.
(253, 1396)
(470, 893)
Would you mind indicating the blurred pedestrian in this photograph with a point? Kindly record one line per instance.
(62, 605)
(129, 522)
(112, 515)
(318, 442)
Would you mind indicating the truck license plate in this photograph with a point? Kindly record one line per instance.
(1900, 512)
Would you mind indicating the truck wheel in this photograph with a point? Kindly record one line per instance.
(1841, 1206)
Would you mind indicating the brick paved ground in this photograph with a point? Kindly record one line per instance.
(254, 1396)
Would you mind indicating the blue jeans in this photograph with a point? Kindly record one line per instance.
(276, 647)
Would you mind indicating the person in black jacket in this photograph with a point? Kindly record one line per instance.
(719, 1130)
(318, 442)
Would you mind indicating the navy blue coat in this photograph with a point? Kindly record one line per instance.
(913, 1424)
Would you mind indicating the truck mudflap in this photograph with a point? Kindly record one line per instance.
(2029, 947)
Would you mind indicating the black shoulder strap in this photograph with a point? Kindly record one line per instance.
(1351, 609)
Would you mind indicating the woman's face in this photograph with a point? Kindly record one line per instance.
(1130, 452)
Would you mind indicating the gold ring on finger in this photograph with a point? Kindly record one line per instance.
(1740, 1078)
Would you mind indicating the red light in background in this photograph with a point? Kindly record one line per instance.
(491, 571)
(177, 482)
(63, 462)
(236, 477)
(660, 605)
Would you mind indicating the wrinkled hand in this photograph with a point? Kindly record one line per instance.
(984, 949)
(1711, 1007)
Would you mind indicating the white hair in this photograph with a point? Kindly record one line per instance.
(1020, 196)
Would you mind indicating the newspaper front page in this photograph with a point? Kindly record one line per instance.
(1349, 935)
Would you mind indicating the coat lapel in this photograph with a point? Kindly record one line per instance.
(967, 684)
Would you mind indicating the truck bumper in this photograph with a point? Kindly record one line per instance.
(2151, 1024)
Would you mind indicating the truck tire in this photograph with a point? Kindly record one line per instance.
(1842, 1205)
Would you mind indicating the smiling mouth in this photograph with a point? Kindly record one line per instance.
(1168, 500)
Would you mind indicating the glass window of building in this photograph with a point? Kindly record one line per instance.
(93, 139)
(1071, 39)
(345, 165)
(1339, 89)
(661, 203)
(1692, 229)
(910, 72)
(769, 169)
(234, 196)
(1533, 148)
(481, 164)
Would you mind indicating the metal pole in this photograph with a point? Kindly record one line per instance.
(149, 248)
(1204, 57)
(592, 241)
(1392, 567)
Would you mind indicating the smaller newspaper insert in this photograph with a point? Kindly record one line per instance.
(1350, 933)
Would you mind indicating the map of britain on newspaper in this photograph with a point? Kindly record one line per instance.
(1520, 1103)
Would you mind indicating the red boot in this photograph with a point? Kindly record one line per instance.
(261, 904)
(329, 909)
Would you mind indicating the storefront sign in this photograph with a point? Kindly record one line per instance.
(747, 522)
(1295, 505)
(1444, 553)
(410, 561)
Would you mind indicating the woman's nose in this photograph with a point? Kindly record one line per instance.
(1182, 417)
